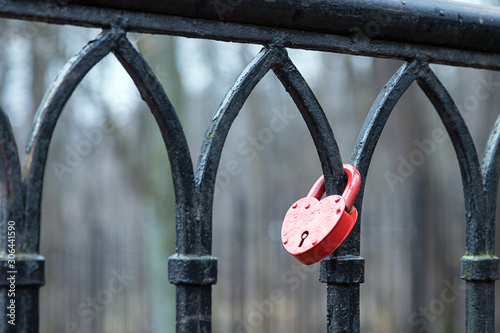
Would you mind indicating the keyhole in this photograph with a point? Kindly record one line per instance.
(303, 237)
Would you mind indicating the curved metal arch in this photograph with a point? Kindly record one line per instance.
(379, 114)
(175, 141)
(370, 134)
(44, 124)
(316, 121)
(11, 187)
(475, 239)
(213, 143)
(490, 168)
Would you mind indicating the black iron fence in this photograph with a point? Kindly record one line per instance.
(418, 32)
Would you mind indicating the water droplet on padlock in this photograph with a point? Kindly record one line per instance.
(307, 206)
(294, 205)
(285, 241)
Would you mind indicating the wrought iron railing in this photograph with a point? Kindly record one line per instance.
(418, 32)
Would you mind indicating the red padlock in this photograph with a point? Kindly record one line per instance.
(313, 229)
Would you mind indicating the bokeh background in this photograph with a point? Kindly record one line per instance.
(108, 200)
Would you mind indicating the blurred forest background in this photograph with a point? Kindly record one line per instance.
(108, 199)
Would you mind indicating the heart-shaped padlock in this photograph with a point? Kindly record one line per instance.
(313, 229)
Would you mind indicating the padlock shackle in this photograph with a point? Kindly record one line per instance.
(351, 189)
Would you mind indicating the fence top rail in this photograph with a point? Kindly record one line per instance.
(446, 32)
(440, 23)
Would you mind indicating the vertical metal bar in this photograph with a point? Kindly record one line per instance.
(490, 167)
(338, 296)
(194, 289)
(191, 270)
(21, 274)
(480, 295)
(194, 308)
(479, 306)
(30, 268)
(344, 270)
(479, 266)
(294, 83)
(28, 278)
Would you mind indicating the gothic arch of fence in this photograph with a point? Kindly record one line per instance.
(420, 33)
